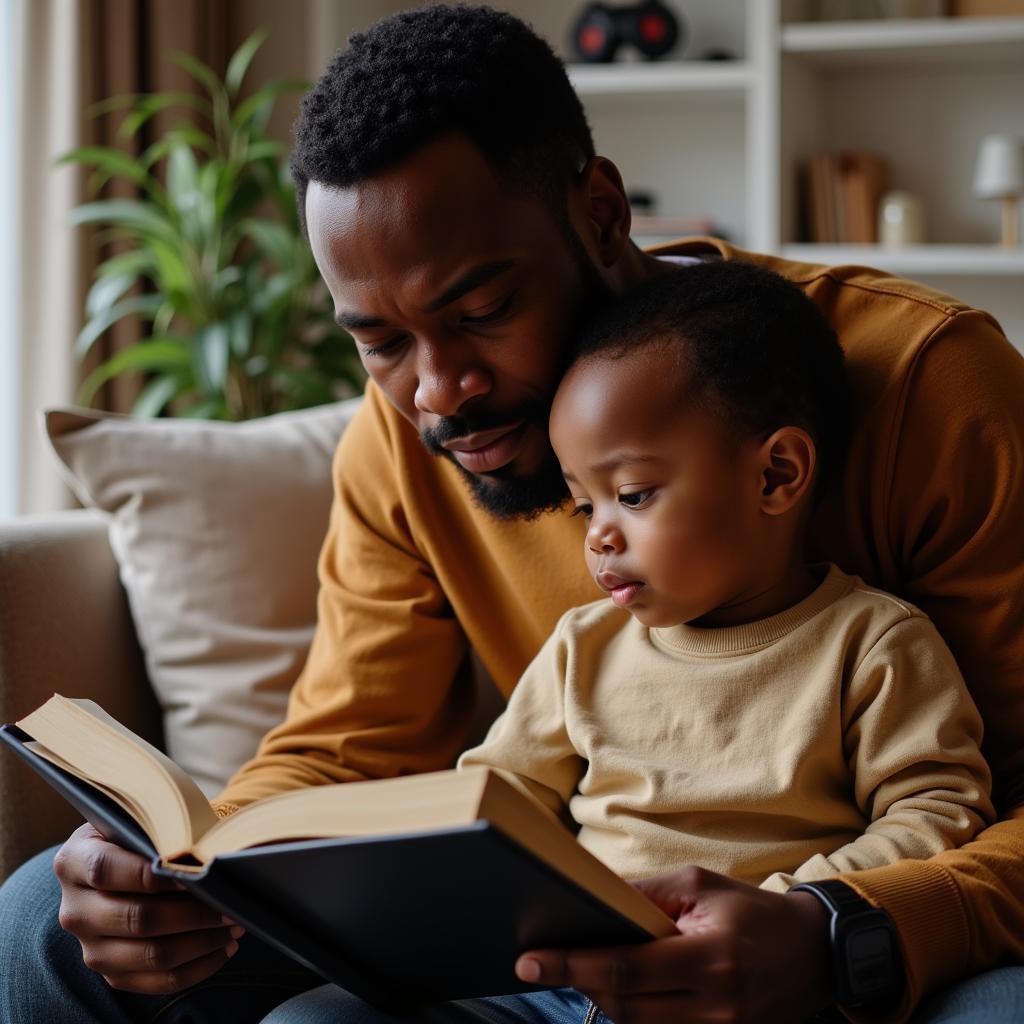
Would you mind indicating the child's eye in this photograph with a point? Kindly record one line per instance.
(636, 499)
(584, 510)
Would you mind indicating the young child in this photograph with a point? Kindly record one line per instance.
(726, 704)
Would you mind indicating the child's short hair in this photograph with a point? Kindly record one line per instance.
(755, 350)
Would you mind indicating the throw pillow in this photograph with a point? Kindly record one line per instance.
(216, 528)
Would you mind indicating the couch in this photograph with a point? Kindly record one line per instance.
(182, 599)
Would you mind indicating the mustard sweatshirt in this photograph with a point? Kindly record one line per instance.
(929, 507)
(833, 736)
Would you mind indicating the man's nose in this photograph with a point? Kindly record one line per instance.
(605, 537)
(445, 382)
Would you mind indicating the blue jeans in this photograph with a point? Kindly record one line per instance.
(43, 981)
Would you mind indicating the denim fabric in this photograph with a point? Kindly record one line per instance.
(995, 997)
(331, 1005)
(43, 981)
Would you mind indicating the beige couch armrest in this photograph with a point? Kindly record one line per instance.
(65, 627)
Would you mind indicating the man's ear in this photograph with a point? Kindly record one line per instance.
(788, 459)
(600, 210)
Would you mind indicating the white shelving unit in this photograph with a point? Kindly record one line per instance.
(918, 260)
(915, 40)
(723, 140)
(726, 78)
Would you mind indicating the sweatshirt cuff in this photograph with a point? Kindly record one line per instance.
(925, 906)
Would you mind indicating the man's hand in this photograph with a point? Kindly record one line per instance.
(741, 955)
(143, 933)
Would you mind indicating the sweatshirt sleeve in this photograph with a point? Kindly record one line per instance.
(953, 513)
(386, 689)
(529, 743)
(912, 739)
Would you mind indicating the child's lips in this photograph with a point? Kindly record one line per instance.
(623, 591)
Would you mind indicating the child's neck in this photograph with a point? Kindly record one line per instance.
(769, 597)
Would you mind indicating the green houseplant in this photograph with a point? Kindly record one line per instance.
(239, 323)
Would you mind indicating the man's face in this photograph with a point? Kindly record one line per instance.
(461, 297)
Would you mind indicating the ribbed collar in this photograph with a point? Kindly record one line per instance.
(752, 635)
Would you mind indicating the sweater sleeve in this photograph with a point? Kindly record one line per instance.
(953, 514)
(529, 743)
(912, 739)
(386, 689)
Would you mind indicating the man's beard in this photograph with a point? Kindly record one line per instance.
(504, 493)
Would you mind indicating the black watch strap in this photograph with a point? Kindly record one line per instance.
(866, 961)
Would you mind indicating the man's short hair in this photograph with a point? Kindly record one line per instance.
(749, 345)
(422, 73)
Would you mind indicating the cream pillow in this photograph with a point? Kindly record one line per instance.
(216, 528)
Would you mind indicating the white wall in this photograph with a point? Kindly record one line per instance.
(9, 410)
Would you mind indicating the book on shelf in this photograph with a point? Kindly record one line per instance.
(403, 891)
(840, 193)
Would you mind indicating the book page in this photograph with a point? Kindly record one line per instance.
(102, 752)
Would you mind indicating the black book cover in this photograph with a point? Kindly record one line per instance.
(398, 920)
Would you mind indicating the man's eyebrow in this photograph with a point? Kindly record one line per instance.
(353, 321)
(473, 278)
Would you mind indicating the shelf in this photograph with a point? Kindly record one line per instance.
(958, 260)
(892, 41)
(717, 78)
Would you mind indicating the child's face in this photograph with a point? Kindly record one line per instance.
(672, 508)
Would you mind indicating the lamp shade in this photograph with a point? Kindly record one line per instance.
(1000, 169)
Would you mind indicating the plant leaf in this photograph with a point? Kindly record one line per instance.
(185, 134)
(181, 177)
(111, 103)
(143, 305)
(106, 290)
(199, 71)
(262, 101)
(241, 333)
(152, 103)
(212, 354)
(164, 317)
(241, 59)
(158, 392)
(174, 278)
(273, 240)
(113, 162)
(155, 354)
(262, 150)
(214, 408)
(132, 214)
(134, 261)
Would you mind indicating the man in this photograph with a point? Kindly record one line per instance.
(464, 225)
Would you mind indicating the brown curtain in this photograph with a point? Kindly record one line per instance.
(128, 47)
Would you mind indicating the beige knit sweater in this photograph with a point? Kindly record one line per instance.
(834, 736)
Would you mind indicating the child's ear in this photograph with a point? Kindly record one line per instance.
(788, 458)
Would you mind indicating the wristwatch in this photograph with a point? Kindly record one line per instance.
(866, 962)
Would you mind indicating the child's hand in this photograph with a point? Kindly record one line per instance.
(742, 955)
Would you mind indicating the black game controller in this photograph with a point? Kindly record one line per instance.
(650, 26)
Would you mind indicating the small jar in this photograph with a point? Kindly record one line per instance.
(900, 219)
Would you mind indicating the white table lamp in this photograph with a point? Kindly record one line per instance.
(1000, 175)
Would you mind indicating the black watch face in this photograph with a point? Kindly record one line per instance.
(869, 960)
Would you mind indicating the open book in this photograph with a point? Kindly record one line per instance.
(403, 890)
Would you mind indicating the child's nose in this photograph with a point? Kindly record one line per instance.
(604, 538)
